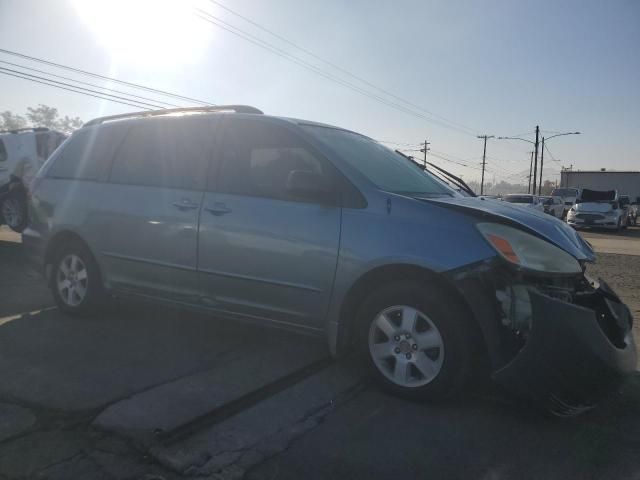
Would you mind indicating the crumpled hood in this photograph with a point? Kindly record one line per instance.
(530, 219)
(596, 207)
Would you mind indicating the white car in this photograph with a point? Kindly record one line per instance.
(553, 206)
(597, 208)
(22, 153)
(525, 200)
(569, 197)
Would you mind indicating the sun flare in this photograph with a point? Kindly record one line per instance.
(148, 32)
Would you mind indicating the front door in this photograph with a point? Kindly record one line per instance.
(264, 254)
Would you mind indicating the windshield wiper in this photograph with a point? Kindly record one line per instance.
(450, 177)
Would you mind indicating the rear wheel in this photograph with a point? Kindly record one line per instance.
(75, 280)
(418, 343)
(14, 211)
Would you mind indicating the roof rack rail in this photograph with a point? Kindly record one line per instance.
(167, 111)
(25, 129)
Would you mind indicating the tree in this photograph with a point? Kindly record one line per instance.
(43, 116)
(547, 187)
(10, 121)
(40, 116)
(68, 124)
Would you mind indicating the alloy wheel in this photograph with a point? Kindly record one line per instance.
(72, 280)
(406, 346)
(12, 212)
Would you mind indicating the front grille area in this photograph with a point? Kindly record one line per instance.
(589, 216)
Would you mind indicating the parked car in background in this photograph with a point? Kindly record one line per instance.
(596, 208)
(525, 200)
(633, 214)
(322, 230)
(553, 206)
(568, 195)
(22, 153)
(625, 204)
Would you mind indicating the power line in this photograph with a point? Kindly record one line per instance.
(90, 84)
(470, 131)
(71, 90)
(202, 14)
(551, 154)
(103, 77)
(398, 143)
(3, 69)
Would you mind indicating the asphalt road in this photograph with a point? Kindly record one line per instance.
(151, 393)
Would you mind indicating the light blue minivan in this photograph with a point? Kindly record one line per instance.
(319, 229)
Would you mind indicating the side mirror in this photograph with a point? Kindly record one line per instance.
(309, 185)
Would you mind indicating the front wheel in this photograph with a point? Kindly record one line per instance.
(14, 212)
(418, 341)
(75, 280)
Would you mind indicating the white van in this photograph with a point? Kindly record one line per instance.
(22, 153)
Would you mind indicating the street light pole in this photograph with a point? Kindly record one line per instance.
(530, 169)
(535, 160)
(484, 160)
(542, 153)
(541, 165)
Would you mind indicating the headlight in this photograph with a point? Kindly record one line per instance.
(528, 251)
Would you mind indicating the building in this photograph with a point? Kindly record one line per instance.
(625, 182)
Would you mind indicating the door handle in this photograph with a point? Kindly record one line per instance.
(186, 204)
(218, 209)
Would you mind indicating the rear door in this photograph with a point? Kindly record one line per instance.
(263, 253)
(149, 222)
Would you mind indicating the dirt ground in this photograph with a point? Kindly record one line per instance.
(622, 273)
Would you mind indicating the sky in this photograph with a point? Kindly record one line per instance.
(462, 68)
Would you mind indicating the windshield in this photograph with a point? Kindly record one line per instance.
(518, 199)
(386, 169)
(564, 192)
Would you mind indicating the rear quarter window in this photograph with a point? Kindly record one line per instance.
(88, 153)
(3, 152)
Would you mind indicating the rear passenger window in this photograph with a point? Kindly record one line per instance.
(257, 158)
(164, 153)
(3, 152)
(87, 154)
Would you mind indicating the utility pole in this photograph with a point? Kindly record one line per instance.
(541, 164)
(535, 160)
(484, 158)
(530, 168)
(425, 150)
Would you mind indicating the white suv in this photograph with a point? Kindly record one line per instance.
(22, 153)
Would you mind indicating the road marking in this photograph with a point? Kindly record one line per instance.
(11, 318)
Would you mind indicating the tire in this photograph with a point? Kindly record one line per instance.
(76, 281)
(14, 211)
(435, 360)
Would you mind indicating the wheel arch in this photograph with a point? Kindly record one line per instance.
(377, 277)
(59, 240)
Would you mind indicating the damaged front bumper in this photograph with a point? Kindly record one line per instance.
(564, 342)
(575, 353)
